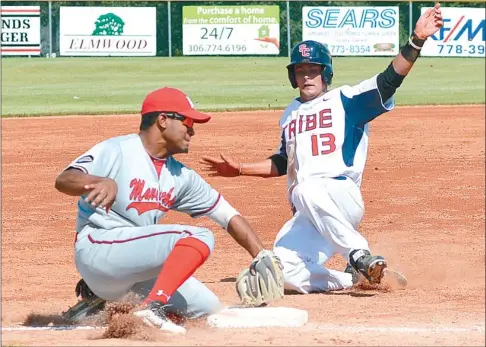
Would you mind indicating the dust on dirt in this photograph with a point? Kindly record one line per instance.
(39, 320)
(122, 324)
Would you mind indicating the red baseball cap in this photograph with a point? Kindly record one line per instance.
(172, 100)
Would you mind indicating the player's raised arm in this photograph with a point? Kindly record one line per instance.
(428, 24)
(374, 96)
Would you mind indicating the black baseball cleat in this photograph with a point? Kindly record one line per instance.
(83, 309)
(371, 267)
(356, 277)
(88, 306)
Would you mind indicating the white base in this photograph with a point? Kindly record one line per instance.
(256, 317)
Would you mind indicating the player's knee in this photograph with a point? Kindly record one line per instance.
(296, 279)
(287, 257)
(206, 236)
(296, 276)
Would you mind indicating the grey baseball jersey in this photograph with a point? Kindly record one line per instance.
(126, 247)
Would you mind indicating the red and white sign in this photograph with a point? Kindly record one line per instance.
(462, 35)
(20, 30)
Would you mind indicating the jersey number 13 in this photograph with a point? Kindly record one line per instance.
(323, 144)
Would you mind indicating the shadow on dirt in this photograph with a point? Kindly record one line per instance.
(349, 293)
(223, 280)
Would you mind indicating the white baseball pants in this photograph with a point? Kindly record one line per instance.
(328, 213)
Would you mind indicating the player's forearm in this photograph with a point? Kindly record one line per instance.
(265, 168)
(404, 61)
(72, 182)
(401, 65)
(391, 79)
(244, 235)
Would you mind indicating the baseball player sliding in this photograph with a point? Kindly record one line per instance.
(126, 185)
(323, 149)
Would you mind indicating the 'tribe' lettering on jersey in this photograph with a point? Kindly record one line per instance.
(144, 196)
(328, 136)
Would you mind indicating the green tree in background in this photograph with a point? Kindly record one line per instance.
(108, 25)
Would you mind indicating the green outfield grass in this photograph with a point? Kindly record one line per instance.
(40, 86)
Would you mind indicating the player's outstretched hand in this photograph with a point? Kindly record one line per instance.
(223, 167)
(429, 22)
(102, 193)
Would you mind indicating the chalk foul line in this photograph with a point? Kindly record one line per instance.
(399, 329)
(479, 328)
(50, 328)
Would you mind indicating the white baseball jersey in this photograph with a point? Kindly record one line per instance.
(328, 136)
(147, 187)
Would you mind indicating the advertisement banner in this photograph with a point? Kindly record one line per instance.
(231, 30)
(20, 30)
(107, 31)
(351, 31)
(463, 34)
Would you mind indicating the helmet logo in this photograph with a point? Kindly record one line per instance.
(304, 51)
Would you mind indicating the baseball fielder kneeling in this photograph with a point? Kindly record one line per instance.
(126, 184)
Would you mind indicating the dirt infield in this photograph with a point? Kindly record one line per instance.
(424, 191)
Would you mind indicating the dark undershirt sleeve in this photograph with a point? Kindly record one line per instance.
(279, 158)
(280, 163)
(388, 82)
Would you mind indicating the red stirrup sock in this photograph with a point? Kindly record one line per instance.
(186, 257)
